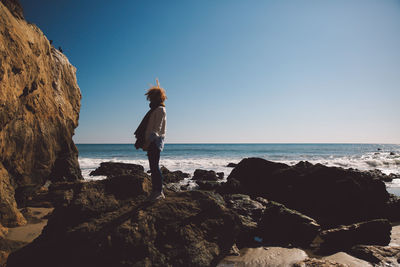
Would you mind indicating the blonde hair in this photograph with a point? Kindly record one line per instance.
(156, 94)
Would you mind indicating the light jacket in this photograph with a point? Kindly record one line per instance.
(156, 128)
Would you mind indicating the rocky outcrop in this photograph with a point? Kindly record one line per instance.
(204, 175)
(109, 223)
(111, 169)
(375, 232)
(249, 212)
(173, 176)
(39, 110)
(14, 7)
(330, 195)
(378, 255)
(282, 226)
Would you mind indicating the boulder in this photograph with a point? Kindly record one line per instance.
(208, 185)
(204, 175)
(173, 176)
(231, 165)
(280, 225)
(331, 195)
(374, 232)
(111, 169)
(39, 111)
(250, 212)
(109, 223)
(378, 255)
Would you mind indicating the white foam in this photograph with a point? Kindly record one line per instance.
(383, 161)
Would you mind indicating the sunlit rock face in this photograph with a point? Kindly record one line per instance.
(39, 110)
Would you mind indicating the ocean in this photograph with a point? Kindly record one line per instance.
(189, 157)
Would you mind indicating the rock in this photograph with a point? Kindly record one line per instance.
(392, 208)
(220, 175)
(234, 251)
(232, 186)
(384, 256)
(14, 7)
(265, 257)
(111, 169)
(346, 260)
(9, 213)
(108, 223)
(282, 226)
(173, 177)
(244, 205)
(378, 174)
(203, 175)
(39, 110)
(3, 231)
(249, 212)
(374, 232)
(394, 176)
(331, 195)
(3, 257)
(313, 262)
(231, 165)
(392, 153)
(208, 185)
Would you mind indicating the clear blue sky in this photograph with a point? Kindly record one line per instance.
(234, 71)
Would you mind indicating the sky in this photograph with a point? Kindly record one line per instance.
(270, 71)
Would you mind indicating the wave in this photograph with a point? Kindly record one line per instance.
(386, 162)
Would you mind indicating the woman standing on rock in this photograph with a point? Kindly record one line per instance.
(150, 136)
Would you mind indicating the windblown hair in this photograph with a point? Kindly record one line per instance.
(156, 94)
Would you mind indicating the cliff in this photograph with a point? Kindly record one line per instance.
(39, 110)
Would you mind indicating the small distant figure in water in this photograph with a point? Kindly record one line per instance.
(379, 149)
(150, 136)
(60, 49)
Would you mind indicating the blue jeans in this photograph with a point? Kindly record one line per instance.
(153, 154)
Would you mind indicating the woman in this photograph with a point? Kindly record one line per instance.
(150, 136)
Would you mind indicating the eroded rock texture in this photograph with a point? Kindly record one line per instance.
(332, 196)
(39, 110)
(109, 223)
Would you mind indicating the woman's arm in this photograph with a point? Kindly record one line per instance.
(156, 124)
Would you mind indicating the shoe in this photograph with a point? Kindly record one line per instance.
(156, 196)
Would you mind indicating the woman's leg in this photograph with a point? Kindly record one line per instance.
(153, 155)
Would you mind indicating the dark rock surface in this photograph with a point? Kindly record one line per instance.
(204, 175)
(173, 176)
(330, 195)
(208, 185)
(111, 169)
(108, 223)
(231, 165)
(379, 255)
(282, 226)
(249, 212)
(39, 111)
(374, 232)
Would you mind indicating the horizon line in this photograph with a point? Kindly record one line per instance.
(249, 143)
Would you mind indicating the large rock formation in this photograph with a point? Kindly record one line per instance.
(108, 223)
(330, 195)
(39, 110)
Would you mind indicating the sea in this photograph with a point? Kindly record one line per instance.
(189, 157)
